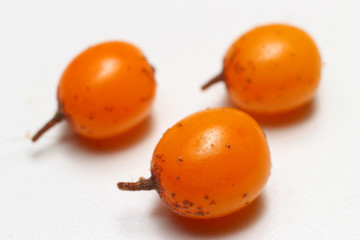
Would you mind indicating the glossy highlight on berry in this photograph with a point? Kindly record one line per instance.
(106, 90)
(210, 164)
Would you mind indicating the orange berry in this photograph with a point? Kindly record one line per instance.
(271, 69)
(105, 91)
(208, 165)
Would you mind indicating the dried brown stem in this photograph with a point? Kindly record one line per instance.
(216, 79)
(59, 115)
(142, 184)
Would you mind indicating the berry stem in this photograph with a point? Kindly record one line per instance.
(142, 184)
(59, 115)
(216, 79)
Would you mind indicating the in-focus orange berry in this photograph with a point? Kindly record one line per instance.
(271, 69)
(208, 165)
(106, 90)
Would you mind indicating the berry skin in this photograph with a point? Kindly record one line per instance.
(271, 69)
(106, 90)
(208, 165)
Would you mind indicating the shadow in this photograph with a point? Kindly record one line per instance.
(292, 117)
(284, 119)
(123, 141)
(217, 227)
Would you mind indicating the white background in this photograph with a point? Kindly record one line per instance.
(64, 188)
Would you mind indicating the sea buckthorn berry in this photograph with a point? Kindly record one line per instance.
(271, 69)
(106, 90)
(208, 165)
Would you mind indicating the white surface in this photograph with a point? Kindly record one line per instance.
(60, 188)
